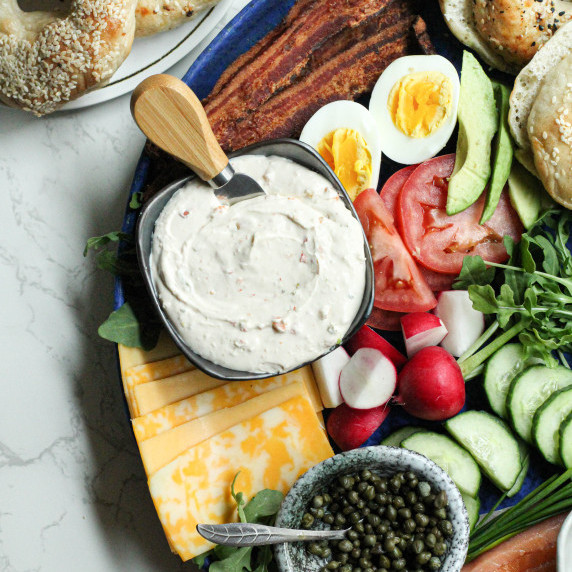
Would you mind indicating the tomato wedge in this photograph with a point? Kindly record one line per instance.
(439, 241)
(390, 191)
(399, 285)
(385, 320)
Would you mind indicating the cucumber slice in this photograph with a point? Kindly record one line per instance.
(491, 443)
(529, 390)
(473, 507)
(395, 439)
(501, 369)
(566, 441)
(452, 458)
(547, 421)
(524, 463)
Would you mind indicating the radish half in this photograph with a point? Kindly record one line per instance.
(368, 380)
(365, 337)
(463, 322)
(327, 373)
(420, 330)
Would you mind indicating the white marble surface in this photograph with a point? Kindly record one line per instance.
(73, 494)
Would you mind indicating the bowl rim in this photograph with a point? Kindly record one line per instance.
(459, 542)
(143, 240)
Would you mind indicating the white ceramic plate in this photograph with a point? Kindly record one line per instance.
(565, 546)
(155, 54)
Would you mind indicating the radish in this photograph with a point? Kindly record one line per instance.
(365, 337)
(463, 322)
(350, 428)
(327, 373)
(431, 385)
(368, 380)
(420, 330)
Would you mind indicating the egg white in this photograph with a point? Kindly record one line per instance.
(395, 144)
(348, 115)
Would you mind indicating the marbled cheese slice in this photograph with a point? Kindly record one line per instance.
(228, 395)
(163, 448)
(146, 373)
(130, 357)
(270, 450)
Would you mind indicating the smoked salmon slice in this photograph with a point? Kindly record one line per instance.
(533, 550)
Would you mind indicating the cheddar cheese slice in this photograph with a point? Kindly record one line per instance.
(270, 450)
(145, 373)
(130, 357)
(155, 394)
(163, 448)
(228, 395)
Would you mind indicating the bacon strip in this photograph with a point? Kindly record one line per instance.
(345, 74)
(275, 67)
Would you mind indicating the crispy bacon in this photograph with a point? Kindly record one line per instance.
(345, 68)
(277, 65)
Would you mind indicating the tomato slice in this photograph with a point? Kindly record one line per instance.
(399, 285)
(385, 320)
(393, 186)
(439, 241)
(389, 195)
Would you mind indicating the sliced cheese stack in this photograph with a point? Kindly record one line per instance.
(195, 433)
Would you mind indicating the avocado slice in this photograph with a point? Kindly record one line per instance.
(503, 153)
(478, 122)
(526, 194)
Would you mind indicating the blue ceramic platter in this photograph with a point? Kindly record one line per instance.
(249, 26)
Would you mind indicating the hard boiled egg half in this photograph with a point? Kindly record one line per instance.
(345, 134)
(414, 103)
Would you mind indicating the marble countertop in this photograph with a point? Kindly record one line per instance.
(73, 493)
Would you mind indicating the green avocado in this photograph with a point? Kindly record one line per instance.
(478, 122)
(503, 153)
(526, 194)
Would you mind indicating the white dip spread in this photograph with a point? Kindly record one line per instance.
(267, 283)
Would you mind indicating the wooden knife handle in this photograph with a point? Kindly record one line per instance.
(172, 117)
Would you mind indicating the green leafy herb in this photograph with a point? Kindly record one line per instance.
(135, 324)
(553, 497)
(531, 298)
(261, 508)
(136, 200)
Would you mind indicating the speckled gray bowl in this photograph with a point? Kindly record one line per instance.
(385, 461)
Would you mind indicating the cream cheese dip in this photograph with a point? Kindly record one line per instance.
(268, 283)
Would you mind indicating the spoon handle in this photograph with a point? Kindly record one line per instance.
(172, 117)
(244, 534)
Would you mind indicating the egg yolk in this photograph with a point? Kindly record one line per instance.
(346, 152)
(420, 102)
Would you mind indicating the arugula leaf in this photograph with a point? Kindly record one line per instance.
(235, 562)
(265, 503)
(136, 200)
(239, 499)
(98, 242)
(474, 271)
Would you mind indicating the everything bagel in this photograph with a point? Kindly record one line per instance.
(47, 59)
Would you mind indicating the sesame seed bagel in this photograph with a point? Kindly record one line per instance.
(154, 16)
(550, 132)
(505, 33)
(48, 59)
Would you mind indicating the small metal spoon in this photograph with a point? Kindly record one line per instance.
(245, 534)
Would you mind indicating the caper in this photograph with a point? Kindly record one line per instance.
(355, 553)
(318, 501)
(374, 519)
(353, 497)
(399, 564)
(440, 513)
(333, 565)
(345, 545)
(366, 475)
(418, 507)
(317, 512)
(411, 497)
(440, 549)
(404, 513)
(424, 488)
(346, 568)
(391, 513)
(395, 484)
(446, 527)
(361, 487)
(364, 562)
(328, 518)
(417, 546)
(381, 486)
(307, 520)
(327, 498)
(429, 499)
(360, 504)
(423, 558)
(381, 528)
(381, 498)
(422, 520)
(441, 499)
(384, 561)
(339, 519)
(345, 481)
(359, 527)
(430, 540)
(354, 517)
(389, 543)
(409, 525)
(368, 529)
(356, 543)
(434, 563)
(395, 553)
(315, 549)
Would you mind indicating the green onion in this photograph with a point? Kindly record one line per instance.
(553, 497)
